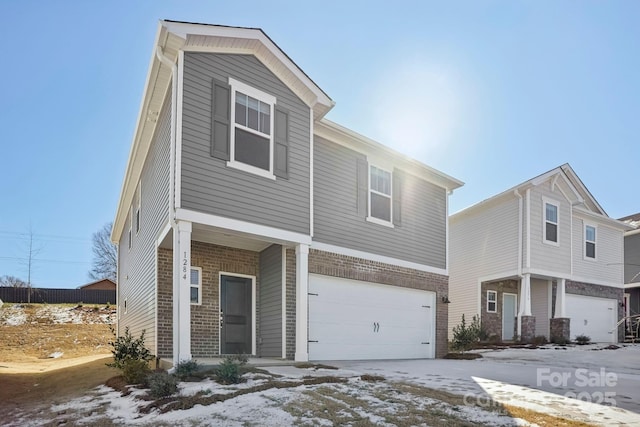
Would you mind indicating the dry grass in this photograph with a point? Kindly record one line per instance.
(42, 333)
(543, 420)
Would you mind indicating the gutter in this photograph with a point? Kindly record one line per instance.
(172, 193)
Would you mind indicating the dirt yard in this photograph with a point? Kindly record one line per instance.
(41, 346)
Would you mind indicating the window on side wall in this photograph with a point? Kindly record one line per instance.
(380, 206)
(590, 241)
(252, 129)
(196, 285)
(550, 223)
(492, 301)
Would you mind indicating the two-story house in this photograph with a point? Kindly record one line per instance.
(542, 258)
(632, 277)
(248, 223)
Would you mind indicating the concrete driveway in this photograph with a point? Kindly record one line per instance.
(587, 383)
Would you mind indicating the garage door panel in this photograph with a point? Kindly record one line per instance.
(593, 317)
(351, 319)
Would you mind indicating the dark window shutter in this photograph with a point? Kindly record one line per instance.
(281, 143)
(220, 119)
(363, 186)
(397, 197)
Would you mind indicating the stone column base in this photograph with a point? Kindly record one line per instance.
(560, 330)
(528, 328)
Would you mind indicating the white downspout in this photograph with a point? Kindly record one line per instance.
(172, 202)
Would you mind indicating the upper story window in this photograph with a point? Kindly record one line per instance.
(590, 241)
(492, 301)
(195, 282)
(252, 129)
(380, 206)
(550, 223)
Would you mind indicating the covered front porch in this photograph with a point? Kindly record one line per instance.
(522, 308)
(221, 291)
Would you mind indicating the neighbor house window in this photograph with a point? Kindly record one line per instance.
(590, 241)
(196, 285)
(379, 194)
(550, 222)
(252, 131)
(492, 301)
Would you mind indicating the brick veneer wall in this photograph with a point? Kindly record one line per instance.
(291, 303)
(165, 303)
(591, 290)
(492, 322)
(205, 320)
(347, 267)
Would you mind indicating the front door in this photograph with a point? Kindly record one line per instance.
(236, 320)
(508, 316)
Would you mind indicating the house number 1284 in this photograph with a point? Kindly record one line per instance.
(185, 265)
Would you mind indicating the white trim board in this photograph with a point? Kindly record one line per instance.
(377, 258)
(247, 228)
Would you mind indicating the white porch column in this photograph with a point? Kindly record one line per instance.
(302, 302)
(181, 292)
(525, 296)
(560, 299)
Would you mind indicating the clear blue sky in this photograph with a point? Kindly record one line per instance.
(490, 92)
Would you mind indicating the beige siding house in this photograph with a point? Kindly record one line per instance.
(542, 258)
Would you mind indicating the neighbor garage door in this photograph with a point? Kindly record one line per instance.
(593, 317)
(350, 319)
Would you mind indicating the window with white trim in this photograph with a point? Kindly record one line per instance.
(195, 283)
(589, 241)
(550, 223)
(252, 129)
(492, 301)
(380, 194)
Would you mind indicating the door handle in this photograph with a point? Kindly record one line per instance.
(376, 327)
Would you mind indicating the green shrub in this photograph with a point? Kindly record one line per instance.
(539, 340)
(186, 369)
(583, 340)
(135, 371)
(126, 348)
(131, 357)
(464, 337)
(560, 340)
(161, 384)
(228, 371)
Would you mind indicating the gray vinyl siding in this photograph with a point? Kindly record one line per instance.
(606, 266)
(632, 259)
(271, 302)
(540, 305)
(544, 256)
(421, 238)
(483, 242)
(207, 184)
(137, 266)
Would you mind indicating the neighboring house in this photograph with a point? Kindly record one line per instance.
(632, 274)
(104, 284)
(542, 258)
(248, 223)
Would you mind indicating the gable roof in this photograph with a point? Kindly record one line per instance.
(175, 36)
(632, 220)
(578, 192)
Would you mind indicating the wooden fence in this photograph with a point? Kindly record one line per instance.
(57, 296)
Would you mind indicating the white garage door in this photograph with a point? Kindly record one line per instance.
(593, 317)
(350, 319)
